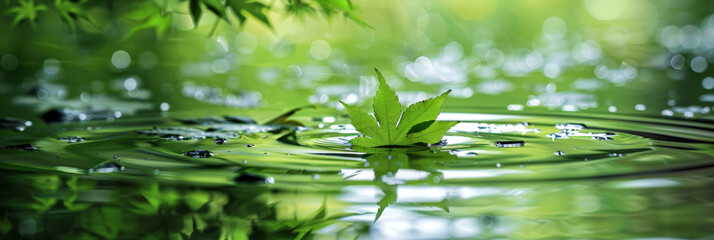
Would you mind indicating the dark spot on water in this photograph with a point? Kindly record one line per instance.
(250, 145)
(14, 124)
(66, 115)
(510, 144)
(251, 178)
(486, 221)
(680, 147)
(199, 153)
(601, 138)
(22, 147)
(265, 153)
(220, 141)
(441, 143)
(72, 139)
(240, 119)
(201, 121)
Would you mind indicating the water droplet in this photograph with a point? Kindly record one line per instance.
(498, 165)
(316, 177)
(220, 66)
(164, 106)
(250, 145)
(220, 141)
(510, 144)
(27, 227)
(515, 107)
(559, 153)
(14, 124)
(494, 57)
(554, 28)
(9, 62)
(640, 107)
(320, 49)
(130, 83)
(121, 59)
(75, 139)
(551, 70)
(156, 171)
(199, 153)
(677, 62)
(708, 83)
(22, 147)
(699, 64)
(109, 167)
(244, 162)
(116, 157)
(246, 42)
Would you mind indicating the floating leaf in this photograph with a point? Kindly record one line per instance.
(416, 125)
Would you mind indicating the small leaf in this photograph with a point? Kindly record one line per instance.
(26, 11)
(216, 7)
(196, 11)
(256, 9)
(70, 11)
(283, 118)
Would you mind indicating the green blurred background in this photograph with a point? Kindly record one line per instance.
(632, 57)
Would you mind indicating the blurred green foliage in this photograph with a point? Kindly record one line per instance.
(157, 15)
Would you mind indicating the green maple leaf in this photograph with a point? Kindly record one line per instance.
(26, 11)
(392, 127)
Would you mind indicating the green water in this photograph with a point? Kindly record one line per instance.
(579, 120)
(653, 179)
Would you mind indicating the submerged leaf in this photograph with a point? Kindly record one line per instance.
(389, 127)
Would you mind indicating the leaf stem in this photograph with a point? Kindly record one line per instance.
(215, 25)
(163, 8)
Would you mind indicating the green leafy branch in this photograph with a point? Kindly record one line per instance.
(158, 15)
(26, 11)
(416, 125)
